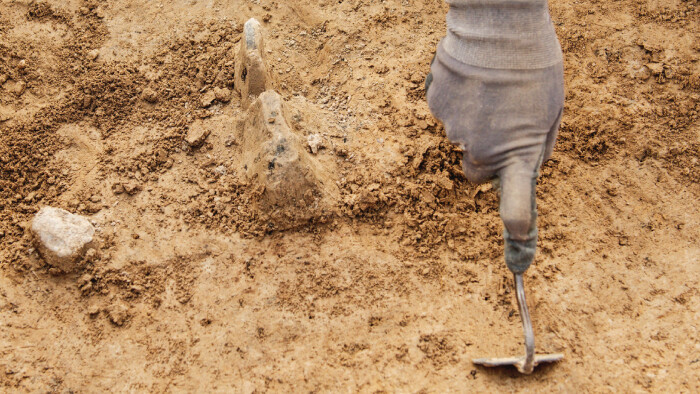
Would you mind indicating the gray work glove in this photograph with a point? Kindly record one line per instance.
(505, 118)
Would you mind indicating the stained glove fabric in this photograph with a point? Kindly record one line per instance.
(512, 34)
(505, 119)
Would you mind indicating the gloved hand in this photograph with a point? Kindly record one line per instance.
(496, 83)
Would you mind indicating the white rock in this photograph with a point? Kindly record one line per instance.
(315, 142)
(62, 237)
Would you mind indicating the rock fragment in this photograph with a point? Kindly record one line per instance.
(222, 94)
(93, 54)
(251, 77)
(62, 237)
(208, 98)
(20, 87)
(315, 143)
(197, 134)
(150, 95)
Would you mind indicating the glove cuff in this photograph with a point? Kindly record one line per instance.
(519, 255)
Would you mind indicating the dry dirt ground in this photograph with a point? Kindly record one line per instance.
(397, 283)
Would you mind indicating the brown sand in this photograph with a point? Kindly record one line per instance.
(400, 283)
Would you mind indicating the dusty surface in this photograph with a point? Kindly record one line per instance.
(401, 281)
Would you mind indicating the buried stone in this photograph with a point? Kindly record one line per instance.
(296, 187)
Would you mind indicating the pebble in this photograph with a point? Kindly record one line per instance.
(315, 143)
(150, 95)
(208, 98)
(222, 94)
(196, 135)
(93, 54)
(20, 87)
(62, 237)
(221, 170)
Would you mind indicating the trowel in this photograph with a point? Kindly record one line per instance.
(527, 363)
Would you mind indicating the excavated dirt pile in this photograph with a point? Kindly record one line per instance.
(253, 196)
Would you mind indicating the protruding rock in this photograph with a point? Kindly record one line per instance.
(197, 134)
(294, 186)
(62, 237)
(251, 77)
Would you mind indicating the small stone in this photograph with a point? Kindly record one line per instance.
(22, 64)
(221, 170)
(315, 143)
(223, 95)
(150, 95)
(208, 98)
(87, 101)
(197, 134)
(20, 88)
(95, 198)
(3, 78)
(62, 237)
(422, 124)
(230, 141)
(93, 54)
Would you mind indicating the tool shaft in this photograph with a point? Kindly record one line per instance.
(528, 364)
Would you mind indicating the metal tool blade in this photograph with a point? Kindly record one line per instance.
(525, 364)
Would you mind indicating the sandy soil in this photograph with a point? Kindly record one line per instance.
(399, 281)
